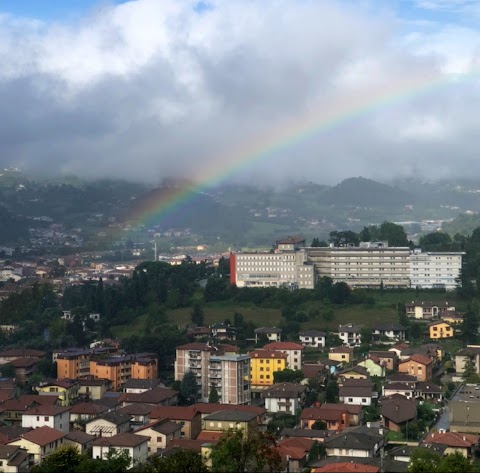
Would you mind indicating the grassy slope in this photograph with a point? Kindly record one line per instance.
(384, 310)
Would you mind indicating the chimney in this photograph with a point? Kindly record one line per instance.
(380, 431)
(369, 424)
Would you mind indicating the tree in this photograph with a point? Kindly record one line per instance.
(423, 460)
(197, 315)
(65, 458)
(469, 373)
(188, 387)
(393, 233)
(470, 325)
(213, 397)
(340, 293)
(8, 371)
(183, 461)
(371, 413)
(344, 238)
(288, 376)
(319, 425)
(239, 453)
(455, 463)
(281, 421)
(331, 391)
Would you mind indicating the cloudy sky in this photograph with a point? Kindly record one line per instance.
(249, 89)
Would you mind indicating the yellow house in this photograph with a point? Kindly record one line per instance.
(222, 421)
(67, 390)
(263, 364)
(342, 354)
(440, 330)
(40, 442)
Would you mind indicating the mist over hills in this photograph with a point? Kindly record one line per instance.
(233, 213)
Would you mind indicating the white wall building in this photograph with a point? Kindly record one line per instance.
(312, 338)
(350, 335)
(135, 445)
(286, 266)
(294, 352)
(55, 417)
(435, 270)
(284, 397)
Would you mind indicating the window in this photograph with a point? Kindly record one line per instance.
(159, 439)
(364, 400)
(47, 419)
(350, 399)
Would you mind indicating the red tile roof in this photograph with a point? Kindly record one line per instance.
(43, 435)
(283, 346)
(174, 412)
(46, 410)
(347, 467)
(211, 437)
(422, 359)
(453, 439)
(210, 408)
(267, 354)
(126, 439)
(24, 362)
(88, 408)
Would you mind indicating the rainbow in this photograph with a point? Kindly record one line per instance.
(319, 120)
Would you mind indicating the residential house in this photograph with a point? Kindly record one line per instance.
(356, 391)
(284, 397)
(332, 366)
(341, 354)
(198, 333)
(39, 443)
(273, 334)
(374, 366)
(295, 452)
(24, 368)
(231, 419)
(108, 425)
(452, 317)
(160, 434)
(67, 390)
(81, 413)
(8, 356)
(466, 444)
(79, 439)
(398, 348)
(135, 445)
(350, 334)
(223, 332)
(391, 331)
(404, 452)
(428, 391)
(346, 467)
(417, 365)
(93, 389)
(263, 364)
(313, 371)
(312, 338)
(361, 441)
(470, 353)
(386, 358)
(335, 418)
(139, 414)
(14, 459)
(206, 409)
(318, 435)
(427, 310)
(405, 389)
(396, 411)
(439, 330)
(356, 372)
(154, 397)
(55, 417)
(188, 417)
(294, 353)
(137, 386)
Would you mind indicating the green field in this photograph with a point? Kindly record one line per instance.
(383, 310)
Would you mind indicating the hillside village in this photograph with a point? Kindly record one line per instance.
(350, 395)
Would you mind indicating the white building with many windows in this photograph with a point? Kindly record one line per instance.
(286, 266)
(435, 270)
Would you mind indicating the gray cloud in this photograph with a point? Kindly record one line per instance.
(148, 89)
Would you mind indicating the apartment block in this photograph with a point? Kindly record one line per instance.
(230, 375)
(435, 270)
(369, 265)
(286, 266)
(119, 369)
(218, 366)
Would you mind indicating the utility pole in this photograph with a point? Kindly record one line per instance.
(155, 250)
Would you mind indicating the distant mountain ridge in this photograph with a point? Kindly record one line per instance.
(362, 192)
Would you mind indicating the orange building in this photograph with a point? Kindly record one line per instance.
(417, 365)
(119, 369)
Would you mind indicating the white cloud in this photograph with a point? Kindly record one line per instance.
(149, 88)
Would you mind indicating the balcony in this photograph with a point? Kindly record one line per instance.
(215, 367)
(214, 375)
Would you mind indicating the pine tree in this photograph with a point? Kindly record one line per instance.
(213, 397)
